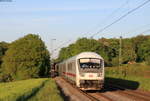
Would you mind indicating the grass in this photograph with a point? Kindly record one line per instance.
(129, 75)
(48, 93)
(34, 89)
(19, 90)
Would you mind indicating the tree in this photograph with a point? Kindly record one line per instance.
(137, 41)
(128, 53)
(3, 49)
(81, 45)
(133, 49)
(26, 58)
(144, 51)
(109, 51)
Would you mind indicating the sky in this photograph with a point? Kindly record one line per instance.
(66, 20)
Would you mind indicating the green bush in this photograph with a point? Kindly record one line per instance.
(26, 58)
(3, 48)
(148, 60)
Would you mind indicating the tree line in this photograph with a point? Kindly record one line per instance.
(24, 58)
(28, 57)
(135, 49)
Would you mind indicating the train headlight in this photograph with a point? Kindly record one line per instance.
(99, 74)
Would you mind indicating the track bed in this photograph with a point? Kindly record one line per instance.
(109, 93)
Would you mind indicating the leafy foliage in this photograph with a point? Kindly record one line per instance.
(128, 53)
(3, 49)
(144, 51)
(136, 49)
(26, 58)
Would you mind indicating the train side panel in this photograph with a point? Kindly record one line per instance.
(67, 70)
(71, 71)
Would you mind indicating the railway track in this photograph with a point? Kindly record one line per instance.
(92, 95)
(109, 93)
(100, 96)
(125, 94)
(135, 95)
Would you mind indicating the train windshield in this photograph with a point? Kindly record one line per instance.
(92, 63)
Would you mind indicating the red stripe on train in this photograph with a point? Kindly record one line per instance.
(70, 74)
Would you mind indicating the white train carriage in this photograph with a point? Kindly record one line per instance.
(85, 70)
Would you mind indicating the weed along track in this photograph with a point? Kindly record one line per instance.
(109, 93)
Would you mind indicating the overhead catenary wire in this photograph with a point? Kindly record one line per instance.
(148, 30)
(109, 25)
(64, 43)
(103, 21)
(120, 18)
(136, 29)
(110, 15)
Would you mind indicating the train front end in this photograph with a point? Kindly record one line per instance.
(91, 73)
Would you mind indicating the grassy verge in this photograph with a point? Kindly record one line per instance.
(30, 90)
(20, 90)
(48, 93)
(130, 76)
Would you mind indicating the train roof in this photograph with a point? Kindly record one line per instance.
(84, 55)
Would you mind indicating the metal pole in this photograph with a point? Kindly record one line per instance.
(51, 59)
(120, 52)
(91, 44)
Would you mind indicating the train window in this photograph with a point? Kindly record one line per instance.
(90, 63)
(64, 67)
(73, 65)
(69, 66)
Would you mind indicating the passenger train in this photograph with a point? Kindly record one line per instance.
(85, 70)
